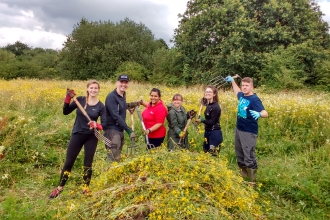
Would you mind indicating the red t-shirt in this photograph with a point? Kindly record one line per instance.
(153, 115)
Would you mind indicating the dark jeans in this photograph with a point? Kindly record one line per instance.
(213, 137)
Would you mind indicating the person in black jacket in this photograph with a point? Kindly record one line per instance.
(213, 133)
(115, 105)
(82, 134)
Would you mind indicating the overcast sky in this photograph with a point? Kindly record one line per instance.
(44, 23)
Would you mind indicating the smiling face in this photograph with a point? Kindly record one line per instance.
(154, 98)
(93, 89)
(209, 94)
(121, 86)
(177, 101)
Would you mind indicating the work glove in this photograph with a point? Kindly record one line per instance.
(191, 113)
(229, 79)
(255, 114)
(131, 133)
(182, 134)
(96, 125)
(204, 101)
(147, 131)
(69, 95)
(200, 119)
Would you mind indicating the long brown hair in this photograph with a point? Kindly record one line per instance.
(90, 82)
(215, 92)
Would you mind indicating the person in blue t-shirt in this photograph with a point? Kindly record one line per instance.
(250, 109)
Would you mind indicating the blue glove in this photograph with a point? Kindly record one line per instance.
(229, 79)
(255, 114)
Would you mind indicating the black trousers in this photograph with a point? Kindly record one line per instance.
(77, 141)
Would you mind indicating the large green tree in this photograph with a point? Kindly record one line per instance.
(17, 48)
(233, 36)
(97, 49)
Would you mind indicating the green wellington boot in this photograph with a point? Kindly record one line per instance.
(252, 175)
(243, 172)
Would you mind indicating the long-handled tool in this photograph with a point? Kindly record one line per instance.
(219, 81)
(203, 103)
(191, 116)
(97, 134)
(149, 146)
(131, 110)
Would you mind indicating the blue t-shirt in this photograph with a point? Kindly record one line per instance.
(245, 121)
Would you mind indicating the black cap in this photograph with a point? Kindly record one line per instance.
(123, 77)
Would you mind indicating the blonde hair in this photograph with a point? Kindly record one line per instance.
(90, 82)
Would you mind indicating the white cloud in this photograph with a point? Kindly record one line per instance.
(34, 38)
(28, 13)
(325, 8)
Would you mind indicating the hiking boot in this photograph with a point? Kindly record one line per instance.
(55, 193)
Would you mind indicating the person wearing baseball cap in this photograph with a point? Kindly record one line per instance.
(123, 77)
(115, 105)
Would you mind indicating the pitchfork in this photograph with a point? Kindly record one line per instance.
(219, 81)
(149, 146)
(97, 134)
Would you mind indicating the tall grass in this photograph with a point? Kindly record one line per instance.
(293, 152)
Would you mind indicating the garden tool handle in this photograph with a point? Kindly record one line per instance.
(140, 117)
(143, 126)
(132, 121)
(81, 109)
(200, 111)
(186, 128)
(236, 76)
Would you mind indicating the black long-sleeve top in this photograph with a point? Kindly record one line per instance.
(81, 122)
(212, 116)
(116, 106)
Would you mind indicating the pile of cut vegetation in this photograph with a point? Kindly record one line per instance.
(170, 185)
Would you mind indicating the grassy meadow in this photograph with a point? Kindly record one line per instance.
(293, 152)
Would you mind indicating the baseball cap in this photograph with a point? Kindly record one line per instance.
(123, 77)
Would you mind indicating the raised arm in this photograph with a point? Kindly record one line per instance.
(233, 83)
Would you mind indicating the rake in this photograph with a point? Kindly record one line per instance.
(149, 146)
(97, 134)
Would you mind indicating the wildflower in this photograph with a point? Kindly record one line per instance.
(2, 149)
(5, 176)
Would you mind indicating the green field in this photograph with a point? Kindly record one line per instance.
(293, 152)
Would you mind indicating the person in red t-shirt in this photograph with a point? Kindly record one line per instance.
(154, 117)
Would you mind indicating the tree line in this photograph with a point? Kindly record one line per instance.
(282, 44)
